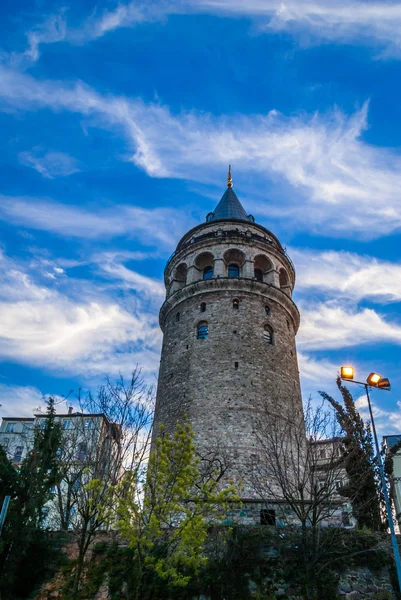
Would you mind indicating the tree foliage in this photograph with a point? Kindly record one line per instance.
(29, 485)
(363, 486)
(165, 514)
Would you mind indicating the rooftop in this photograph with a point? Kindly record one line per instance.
(229, 208)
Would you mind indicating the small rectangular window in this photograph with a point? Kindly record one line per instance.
(10, 428)
(267, 516)
(67, 424)
(203, 331)
(81, 453)
(18, 454)
(236, 365)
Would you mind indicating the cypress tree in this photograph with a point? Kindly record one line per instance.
(363, 487)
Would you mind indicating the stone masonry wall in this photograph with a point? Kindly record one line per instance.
(224, 383)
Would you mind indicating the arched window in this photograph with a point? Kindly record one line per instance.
(267, 309)
(203, 306)
(204, 265)
(268, 334)
(258, 274)
(203, 331)
(177, 317)
(207, 272)
(236, 303)
(283, 277)
(233, 270)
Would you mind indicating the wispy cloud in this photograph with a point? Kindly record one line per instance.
(40, 325)
(19, 401)
(49, 164)
(112, 264)
(376, 24)
(388, 422)
(352, 21)
(329, 325)
(348, 275)
(322, 156)
(150, 226)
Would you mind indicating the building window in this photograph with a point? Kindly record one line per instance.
(177, 317)
(18, 454)
(207, 272)
(267, 309)
(67, 424)
(81, 452)
(283, 278)
(10, 428)
(89, 424)
(322, 453)
(236, 365)
(5, 443)
(268, 334)
(258, 274)
(203, 306)
(236, 303)
(203, 331)
(267, 516)
(233, 271)
(76, 481)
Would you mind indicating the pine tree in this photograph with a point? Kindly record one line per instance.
(363, 487)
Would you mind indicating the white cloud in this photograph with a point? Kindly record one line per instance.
(111, 263)
(19, 401)
(341, 21)
(388, 422)
(316, 371)
(53, 29)
(311, 21)
(159, 226)
(49, 164)
(347, 274)
(339, 182)
(41, 326)
(330, 326)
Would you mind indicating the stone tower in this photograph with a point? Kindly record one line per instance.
(229, 328)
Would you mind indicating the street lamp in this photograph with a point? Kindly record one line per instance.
(376, 381)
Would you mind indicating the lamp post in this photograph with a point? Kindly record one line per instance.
(376, 381)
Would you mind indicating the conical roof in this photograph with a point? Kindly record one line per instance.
(229, 206)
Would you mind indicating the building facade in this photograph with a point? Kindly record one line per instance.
(229, 326)
(16, 436)
(89, 449)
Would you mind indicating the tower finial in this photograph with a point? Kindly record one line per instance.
(229, 178)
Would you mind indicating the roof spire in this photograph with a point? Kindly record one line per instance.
(229, 178)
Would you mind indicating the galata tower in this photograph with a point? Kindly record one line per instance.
(229, 328)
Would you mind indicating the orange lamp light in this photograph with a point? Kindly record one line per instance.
(347, 372)
(373, 379)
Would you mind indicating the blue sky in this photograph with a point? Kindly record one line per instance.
(118, 122)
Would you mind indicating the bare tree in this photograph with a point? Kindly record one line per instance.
(298, 470)
(109, 436)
